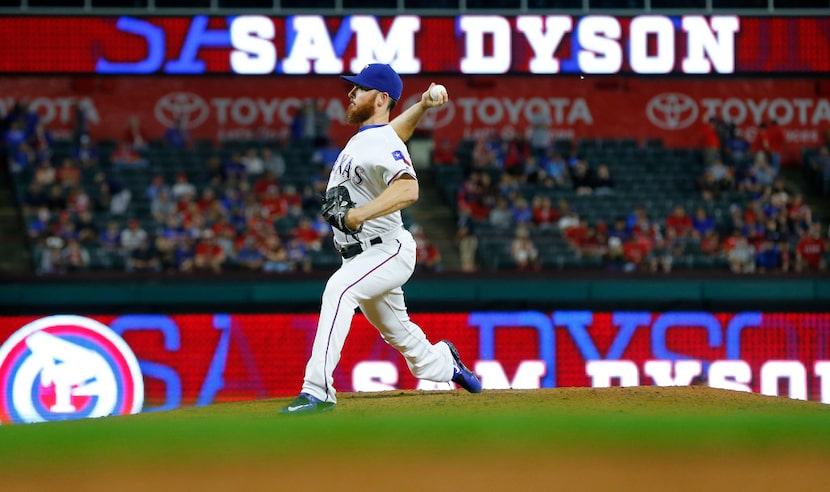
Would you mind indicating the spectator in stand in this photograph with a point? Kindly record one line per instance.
(41, 141)
(636, 251)
(810, 251)
(575, 234)
(126, 156)
(483, 156)
(521, 213)
(74, 257)
(134, 136)
(249, 256)
(603, 183)
(51, 259)
(721, 175)
(182, 187)
(614, 260)
(661, 256)
(764, 173)
(501, 216)
(523, 251)
(45, 174)
(710, 242)
(770, 141)
(428, 256)
(307, 234)
(539, 129)
(545, 216)
(35, 197)
(156, 186)
(209, 256)
(267, 181)
(234, 170)
(133, 235)
(276, 255)
(638, 220)
(702, 223)
(555, 168)
(619, 230)
(466, 239)
(162, 206)
(254, 165)
(594, 243)
(582, 178)
(86, 154)
(184, 254)
(115, 194)
(444, 153)
(742, 256)
(144, 258)
(37, 224)
(737, 148)
(710, 140)
(768, 257)
(55, 199)
(68, 174)
(177, 137)
(86, 227)
(680, 222)
(273, 162)
(110, 237)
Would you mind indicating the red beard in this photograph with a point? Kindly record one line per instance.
(357, 114)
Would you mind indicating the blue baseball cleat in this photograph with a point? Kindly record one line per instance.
(461, 375)
(306, 404)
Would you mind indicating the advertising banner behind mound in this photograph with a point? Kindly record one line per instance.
(591, 107)
(205, 358)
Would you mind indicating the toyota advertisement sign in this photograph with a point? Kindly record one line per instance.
(247, 108)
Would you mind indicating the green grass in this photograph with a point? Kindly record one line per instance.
(426, 423)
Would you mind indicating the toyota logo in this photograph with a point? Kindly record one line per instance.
(189, 107)
(672, 111)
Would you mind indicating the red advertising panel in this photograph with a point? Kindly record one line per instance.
(55, 367)
(471, 44)
(590, 107)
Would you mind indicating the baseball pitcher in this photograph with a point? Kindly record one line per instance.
(370, 182)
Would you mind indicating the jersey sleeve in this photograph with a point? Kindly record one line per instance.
(396, 163)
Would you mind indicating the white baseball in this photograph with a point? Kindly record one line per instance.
(437, 91)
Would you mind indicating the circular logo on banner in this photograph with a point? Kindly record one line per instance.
(672, 111)
(189, 107)
(67, 367)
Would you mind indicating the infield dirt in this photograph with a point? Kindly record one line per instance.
(644, 438)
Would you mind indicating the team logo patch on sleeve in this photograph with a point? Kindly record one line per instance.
(398, 155)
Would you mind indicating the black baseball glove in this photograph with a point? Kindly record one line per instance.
(336, 204)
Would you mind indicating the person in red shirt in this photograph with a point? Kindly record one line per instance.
(710, 140)
(209, 255)
(272, 204)
(680, 221)
(545, 216)
(635, 251)
(444, 154)
(776, 140)
(264, 182)
(809, 253)
(307, 234)
(576, 235)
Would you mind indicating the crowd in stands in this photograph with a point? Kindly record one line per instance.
(743, 216)
(115, 205)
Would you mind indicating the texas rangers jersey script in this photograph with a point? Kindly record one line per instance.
(370, 162)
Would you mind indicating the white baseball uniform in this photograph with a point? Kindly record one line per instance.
(372, 279)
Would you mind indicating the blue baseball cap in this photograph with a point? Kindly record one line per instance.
(379, 76)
